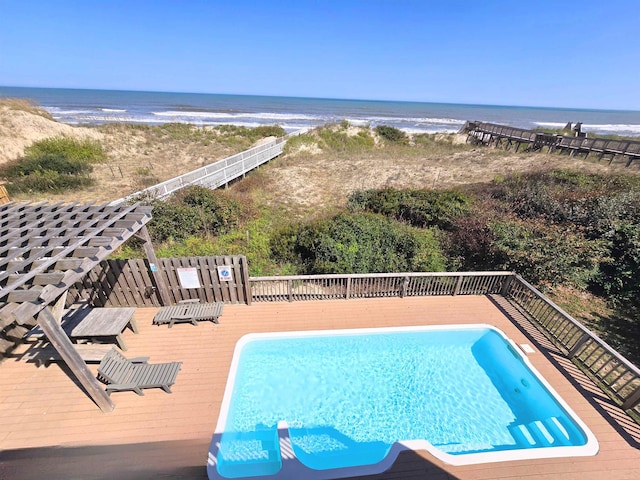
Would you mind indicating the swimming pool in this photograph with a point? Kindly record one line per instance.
(331, 404)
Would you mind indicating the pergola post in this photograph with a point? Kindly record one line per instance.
(59, 339)
(163, 289)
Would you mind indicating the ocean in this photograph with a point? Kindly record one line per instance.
(78, 107)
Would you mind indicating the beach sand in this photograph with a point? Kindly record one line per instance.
(305, 180)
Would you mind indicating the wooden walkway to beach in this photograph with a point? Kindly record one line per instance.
(502, 135)
(50, 429)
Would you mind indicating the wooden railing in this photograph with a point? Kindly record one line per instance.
(486, 133)
(218, 173)
(617, 376)
(320, 287)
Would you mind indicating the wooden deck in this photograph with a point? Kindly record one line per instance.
(50, 429)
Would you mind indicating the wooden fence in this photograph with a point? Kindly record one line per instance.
(115, 283)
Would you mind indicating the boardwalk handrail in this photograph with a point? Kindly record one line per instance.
(616, 375)
(218, 173)
(487, 133)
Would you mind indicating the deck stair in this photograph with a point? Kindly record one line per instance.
(550, 432)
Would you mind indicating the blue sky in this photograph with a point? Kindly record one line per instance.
(504, 52)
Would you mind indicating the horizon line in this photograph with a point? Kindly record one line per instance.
(322, 98)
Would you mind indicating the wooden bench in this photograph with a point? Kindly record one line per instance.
(89, 352)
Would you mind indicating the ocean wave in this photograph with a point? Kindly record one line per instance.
(114, 110)
(613, 127)
(427, 120)
(59, 111)
(223, 115)
(605, 127)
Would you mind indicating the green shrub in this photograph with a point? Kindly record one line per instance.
(420, 208)
(545, 254)
(619, 273)
(53, 165)
(88, 151)
(470, 245)
(358, 243)
(392, 134)
(590, 201)
(340, 141)
(193, 211)
(47, 162)
(298, 142)
(48, 181)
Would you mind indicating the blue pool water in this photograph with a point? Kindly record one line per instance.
(348, 398)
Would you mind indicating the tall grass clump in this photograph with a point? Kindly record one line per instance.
(339, 141)
(53, 165)
(86, 151)
(24, 105)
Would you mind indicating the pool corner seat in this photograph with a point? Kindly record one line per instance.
(188, 311)
(123, 374)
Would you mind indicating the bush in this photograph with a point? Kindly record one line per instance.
(48, 181)
(420, 208)
(619, 273)
(300, 142)
(340, 141)
(358, 243)
(53, 165)
(87, 151)
(392, 134)
(545, 254)
(193, 211)
(470, 244)
(591, 201)
(47, 162)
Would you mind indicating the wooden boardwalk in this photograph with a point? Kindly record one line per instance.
(50, 429)
(490, 133)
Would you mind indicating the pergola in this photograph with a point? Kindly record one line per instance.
(46, 248)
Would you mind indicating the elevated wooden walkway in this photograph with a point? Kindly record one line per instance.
(502, 135)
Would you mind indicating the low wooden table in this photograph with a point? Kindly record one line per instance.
(188, 312)
(107, 323)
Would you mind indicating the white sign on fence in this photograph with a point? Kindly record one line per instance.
(224, 273)
(188, 277)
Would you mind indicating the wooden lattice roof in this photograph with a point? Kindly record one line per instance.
(45, 248)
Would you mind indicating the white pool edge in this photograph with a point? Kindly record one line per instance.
(294, 469)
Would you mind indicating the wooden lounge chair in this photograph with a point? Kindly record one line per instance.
(43, 355)
(121, 374)
(188, 312)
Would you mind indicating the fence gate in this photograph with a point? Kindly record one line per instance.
(116, 283)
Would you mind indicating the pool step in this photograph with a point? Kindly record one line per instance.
(254, 453)
(550, 432)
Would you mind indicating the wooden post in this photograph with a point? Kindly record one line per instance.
(245, 278)
(163, 290)
(456, 291)
(60, 341)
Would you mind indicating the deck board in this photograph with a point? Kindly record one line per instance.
(51, 429)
